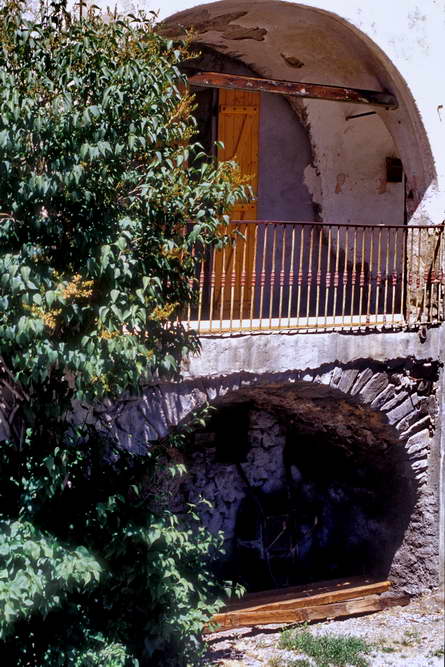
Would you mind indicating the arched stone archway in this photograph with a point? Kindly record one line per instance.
(404, 401)
(305, 485)
(383, 414)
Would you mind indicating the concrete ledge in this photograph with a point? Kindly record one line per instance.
(275, 353)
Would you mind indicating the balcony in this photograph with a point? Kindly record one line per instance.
(320, 277)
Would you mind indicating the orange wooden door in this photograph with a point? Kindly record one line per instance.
(238, 130)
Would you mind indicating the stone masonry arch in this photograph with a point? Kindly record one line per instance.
(389, 405)
(404, 400)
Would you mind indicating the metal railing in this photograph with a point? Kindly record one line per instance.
(308, 276)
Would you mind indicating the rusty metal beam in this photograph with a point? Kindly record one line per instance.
(314, 91)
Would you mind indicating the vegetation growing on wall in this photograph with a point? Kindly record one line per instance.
(105, 207)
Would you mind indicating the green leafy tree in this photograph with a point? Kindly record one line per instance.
(106, 205)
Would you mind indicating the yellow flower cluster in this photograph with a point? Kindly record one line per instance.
(78, 288)
(48, 317)
(163, 312)
(173, 253)
(231, 173)
(183, 109)
(108, 335)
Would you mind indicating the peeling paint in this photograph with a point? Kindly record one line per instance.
(381, 185)
(341, 180)
(293, 61)
(240, 32)
(202, 22)
(313, 183)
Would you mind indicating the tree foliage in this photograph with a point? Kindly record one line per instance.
(95, 563)
(106, 205)
(97, 193)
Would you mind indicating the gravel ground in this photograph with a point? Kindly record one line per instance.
(411, 636)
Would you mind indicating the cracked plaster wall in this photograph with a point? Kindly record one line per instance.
(348, 175)
(344, 42)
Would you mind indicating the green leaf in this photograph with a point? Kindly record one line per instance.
(50, 297)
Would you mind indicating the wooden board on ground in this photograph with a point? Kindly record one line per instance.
(322, 592)
(313, 602)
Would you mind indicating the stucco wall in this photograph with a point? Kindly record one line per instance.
(380, 45)
(285, 153)
(350, 166)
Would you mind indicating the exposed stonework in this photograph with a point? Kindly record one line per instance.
(286, 418)
(203, 22)
(403, 400)
(293, 61)
(386, 409)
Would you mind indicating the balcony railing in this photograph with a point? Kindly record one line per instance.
(304, 276)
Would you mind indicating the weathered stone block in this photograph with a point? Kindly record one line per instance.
(420, 464)
(421, 477)
(419, 441)
(336, 376)
(421, 423)
(386, 395)
(374, 387)
(423, 409)
(347, 379)
(399, 412)
(362, 379)
(324, 378)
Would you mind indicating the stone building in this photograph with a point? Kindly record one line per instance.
(321, 328)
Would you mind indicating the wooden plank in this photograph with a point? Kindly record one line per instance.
(295, 88)
(327, 597)
(367, 604)
(302, 590)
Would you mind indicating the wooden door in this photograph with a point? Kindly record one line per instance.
(238, 130)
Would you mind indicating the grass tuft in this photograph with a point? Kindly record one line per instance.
(277, 661)
(327, 650)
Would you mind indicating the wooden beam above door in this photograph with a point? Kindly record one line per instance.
(313, 91)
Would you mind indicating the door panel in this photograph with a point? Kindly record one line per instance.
(238, 130)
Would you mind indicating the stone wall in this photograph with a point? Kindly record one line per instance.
(373, 409)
